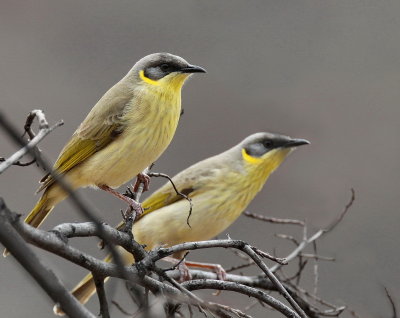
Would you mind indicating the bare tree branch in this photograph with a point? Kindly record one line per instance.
(74, 197)
(229, 243)
(249, 291)
(53, 242)
(30, 147)
(318, 234)
(276, 282)
(101, 294)
(88, 229)
(45, 278)
(168, 292)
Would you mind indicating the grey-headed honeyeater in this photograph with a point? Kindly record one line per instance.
(220, 188)
(126, 131)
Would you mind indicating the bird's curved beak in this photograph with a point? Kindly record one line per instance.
(296, 142)
(192, 69)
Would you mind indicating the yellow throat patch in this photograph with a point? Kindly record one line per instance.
(146, 79)
(172, 81)
(250, 159)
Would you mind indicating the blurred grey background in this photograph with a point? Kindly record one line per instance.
(327, 71)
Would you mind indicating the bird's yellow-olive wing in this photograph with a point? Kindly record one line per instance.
(102, 125)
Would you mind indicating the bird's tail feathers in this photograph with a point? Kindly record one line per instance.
(43, 207)
(38, 214)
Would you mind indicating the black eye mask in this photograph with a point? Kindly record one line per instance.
(159, 71)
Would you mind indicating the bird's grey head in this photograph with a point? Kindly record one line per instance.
(257, 145)
(158, 65)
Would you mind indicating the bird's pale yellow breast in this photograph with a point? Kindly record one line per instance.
(151, 120)
(216, 204)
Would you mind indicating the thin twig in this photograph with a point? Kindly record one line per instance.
(278, 260)
(241, 266)
(392, 304)
(163, 175)
(288, 237)
(344, 212)
(177, 264)
(316, 272)
(243, 256)
(120, 308)
(302, 265)
(318, 257)
(333, 309)
(297, 275)
(19, 163)
(272, 219)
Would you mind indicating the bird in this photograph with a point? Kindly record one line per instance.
(220, 188)
(125, 132)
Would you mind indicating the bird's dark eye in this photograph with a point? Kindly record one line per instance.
(267, 143)
(164, 67)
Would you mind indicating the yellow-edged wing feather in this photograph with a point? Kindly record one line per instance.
(190, 182)
(103, 124)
